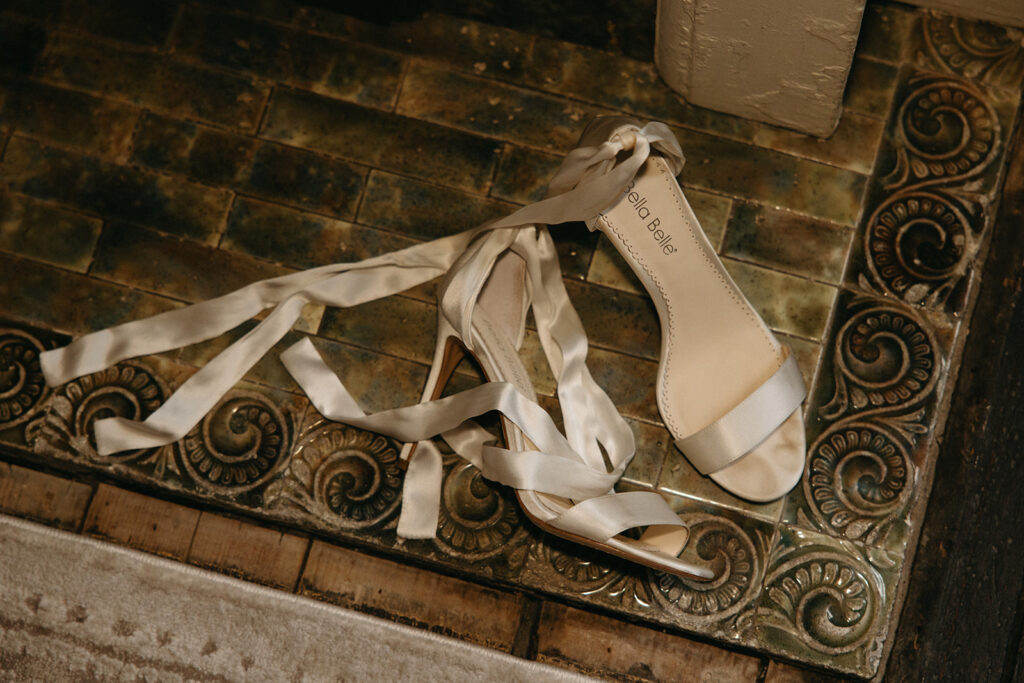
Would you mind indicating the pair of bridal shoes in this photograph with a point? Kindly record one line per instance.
(728, 392)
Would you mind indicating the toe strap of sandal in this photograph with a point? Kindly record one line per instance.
(739, 431)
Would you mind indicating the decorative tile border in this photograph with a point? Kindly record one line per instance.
(814, 579)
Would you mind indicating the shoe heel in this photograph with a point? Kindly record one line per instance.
(448, 353)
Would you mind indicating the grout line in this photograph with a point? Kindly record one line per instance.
(762, 670)
(80, 527)
(524, 643)
(302, 566)
(400, 88)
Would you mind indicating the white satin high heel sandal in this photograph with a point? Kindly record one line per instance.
(493, 272)
(727, 390)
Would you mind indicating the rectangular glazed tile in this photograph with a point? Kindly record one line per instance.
(616, 320)
(789, 242)
(422, 210)
(68, 118)
(787, 303)
(202, 153)
(466, 45)
(275, 172)
(607, 647)
(629, 381)
(48, 233)
(69, 302)
(100, 187)
(380, 139)
(608, 268)
(652, 443)
(331, 67)
(404, 593)
(523, 174)
(396, 325)
(870, 88)
(749, 172)
(147, 260)
(884, 31)
(43, 497)
(851, 146)
(493, 109)
(268, 371)
(375, 380)
(147, 24)
(250, 552)
(807, 355)
(152, 80)
(302, 240)
(23, 42)
(141, 522)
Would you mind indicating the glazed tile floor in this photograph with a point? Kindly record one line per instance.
(178, 152)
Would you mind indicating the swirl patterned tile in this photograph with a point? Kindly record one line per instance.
(825, 602)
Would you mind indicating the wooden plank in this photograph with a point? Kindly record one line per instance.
(248, 551)
(42, 497)
(784, 673)
(962, 615)
(141, 522)
(411, 595)
(607, 647)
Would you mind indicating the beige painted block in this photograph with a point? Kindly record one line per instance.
(607, 647)
(141, 522)
(411, 595)
(784, 63)
(41, 496)
(248, 551)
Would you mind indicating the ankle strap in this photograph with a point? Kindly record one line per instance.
(748, 424)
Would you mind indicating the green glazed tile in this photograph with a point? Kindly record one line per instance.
(493, 109)
(485, 49)
(380, 139)
(47, 233)
(205, 154)
(617, 320)
(788, 242)
(146, 24)
(608, 268)
(788, 304)
(68, 118)
(376, 381)
(72, 303)
(302, 240)
(764, 175)
(300, 178)
(268, 371)
(852, 146)
(651, 444)
(284, 174)
(870, 88)
(523, 174)
(421, 210)
(331, 67)
(396, 325)
(101, 187)
(679, 477)
(629, 381)
(804, 564)
(149, 80)
(575, 245)
(884, 31)
(807, 355)
(183, 269)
